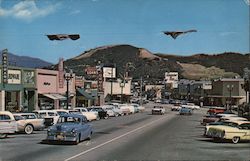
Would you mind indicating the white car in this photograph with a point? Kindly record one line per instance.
(111, 110)
(28, 122)
(160, 110)
(191, 106)
(8, 124)
(50, 116)
(90, 115)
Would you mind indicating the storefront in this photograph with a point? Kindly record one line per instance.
(18, 91)
(51, 88)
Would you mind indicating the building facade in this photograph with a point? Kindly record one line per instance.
(19, 90)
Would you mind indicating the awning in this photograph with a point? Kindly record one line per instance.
(85, 94)
(55, 96)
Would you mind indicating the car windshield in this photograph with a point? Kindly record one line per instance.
(69, 120)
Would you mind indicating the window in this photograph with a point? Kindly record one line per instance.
(244, 126)
(4, 117)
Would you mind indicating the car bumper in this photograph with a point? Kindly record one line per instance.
(61, 138)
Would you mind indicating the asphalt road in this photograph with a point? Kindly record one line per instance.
(140, 136)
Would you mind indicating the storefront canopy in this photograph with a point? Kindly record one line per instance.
(85, 94)
(55, 96)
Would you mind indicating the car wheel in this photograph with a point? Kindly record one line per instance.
(90, 135)
(78, 139)
(106, 117)
(3, 136)
(28, 129)
(98, 118)
(235, 139)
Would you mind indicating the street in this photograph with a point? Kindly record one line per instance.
(140, 136)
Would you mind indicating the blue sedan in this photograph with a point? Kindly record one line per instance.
(70, 127)
(185, 111)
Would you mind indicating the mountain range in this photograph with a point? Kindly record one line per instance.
(25, 61)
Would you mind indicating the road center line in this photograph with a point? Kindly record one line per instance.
(114, 139)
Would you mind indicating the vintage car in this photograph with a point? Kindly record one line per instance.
(115, 108)
(28, 122)
(70, 127)
(50, 116)
(233, 123)
(186, 111)
(160, 110)
(90, 115)
(101, 112)
(8, 124)
(209, 119)
(191, 106)
(175, 107)
(238, 132)
(216, 110)
(138, 108)
(125, 109)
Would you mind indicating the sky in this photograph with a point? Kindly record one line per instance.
(222, 26)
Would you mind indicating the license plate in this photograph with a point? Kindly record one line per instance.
(60, 137)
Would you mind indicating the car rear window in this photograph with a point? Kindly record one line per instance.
(4, 117)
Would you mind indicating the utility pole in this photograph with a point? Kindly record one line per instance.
(141, 92)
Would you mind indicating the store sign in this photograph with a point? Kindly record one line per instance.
(109, 72)
(61, 73)
(5, 65)
(14, 76)
(29, 77)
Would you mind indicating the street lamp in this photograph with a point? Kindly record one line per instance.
(68, 77)
(230, 88)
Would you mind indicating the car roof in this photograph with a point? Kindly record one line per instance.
(24, 113)
(5, 112)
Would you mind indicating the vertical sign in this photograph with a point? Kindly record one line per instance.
(99, 78)
(5, 65)
(61, 73)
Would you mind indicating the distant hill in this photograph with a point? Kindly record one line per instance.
(228, 61)
(153, 66)
(25, 61)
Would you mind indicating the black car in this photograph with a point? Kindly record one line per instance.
(101, 112)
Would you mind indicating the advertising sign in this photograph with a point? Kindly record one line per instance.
(14, 76)
(109, 72)
(5, 65)
(29, 77)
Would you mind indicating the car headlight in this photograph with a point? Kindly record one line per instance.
(73, 131)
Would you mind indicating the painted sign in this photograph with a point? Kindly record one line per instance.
(29, 77)
(14, 76)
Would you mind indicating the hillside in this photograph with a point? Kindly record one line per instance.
(228, 61)
(154, 66)
(145, 63)
(25, 61)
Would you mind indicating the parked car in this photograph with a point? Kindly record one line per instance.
(8, 124)
(216, 110)
(138, 108)
(232, 123)
(160, 110)
(50, 116)
(70, 127)
(234, 133)
(90, 115)
(101, 112)
(125, 109)
(28, 122)
(116, 109)
(209, 119)
(186, 111)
